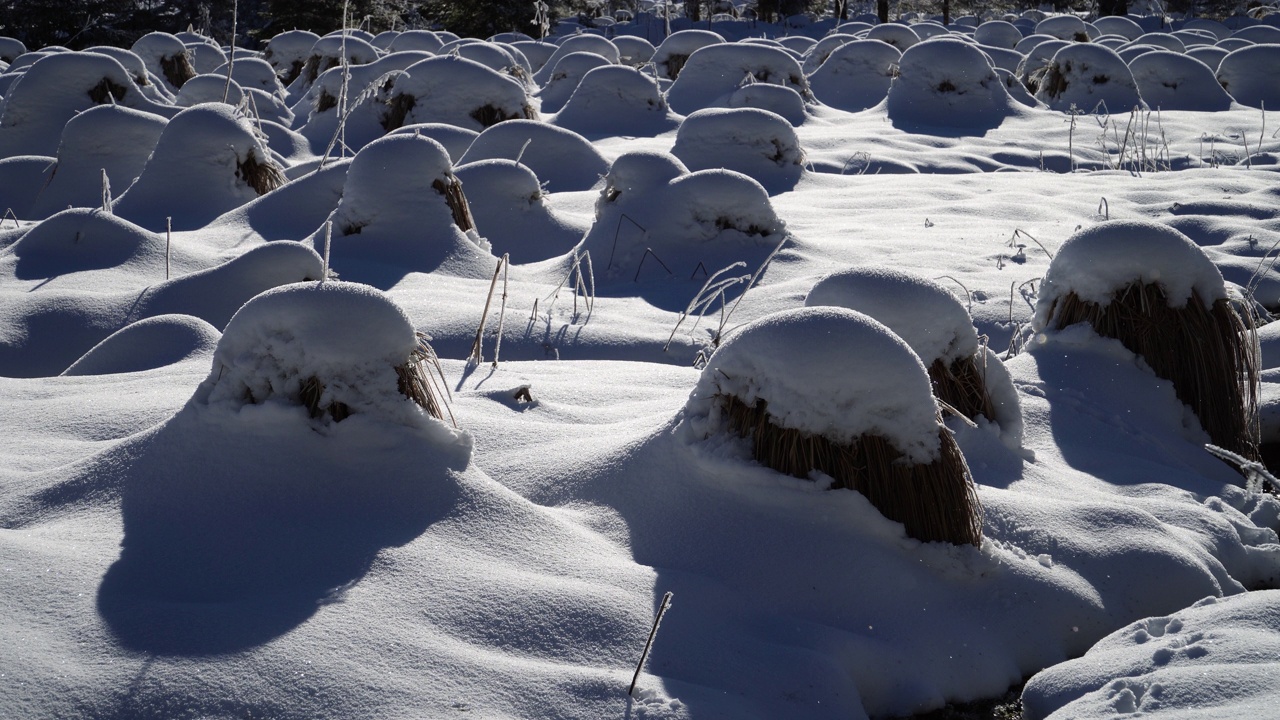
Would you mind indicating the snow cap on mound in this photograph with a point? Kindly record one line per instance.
(757, 143)
(137, 70)
(55, 89)
(856, 75)
(824, 371)
(1091, 77)
(10, 49)
(1171, 81)
(561, 158)
(1097, 262)
(565, 76)
(454, 139)
(947, 83)
(166, 58)
(253, 73)
(998, 33)
(416, 40)
(208, 161)
(209, 88)
(327, 53)
(616, 100)
(148, 344)
(287, 52)
(922, 312)
(717, 70)
(640, 172)
(391, 179)
(349, 337)
(1250, 73)
(821, 50)
(585, 42)
(1066, 27)
(511, 212)
(108, 137)
(704, 204)
(1118, 25)
(79, 239)
(670, 56)
(633, 51)
(899, 36)
(457, 91)
(777, 99)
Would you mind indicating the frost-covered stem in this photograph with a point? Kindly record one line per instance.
(505, 263)
(523, 147)
(231, 62)
(647, 252)
(1103, 206)
(1256, 475)
(1011, 286)
(8, 213)
(328, 241)
(750, 284)
(477, 348)
(591, 275)
(648, 645)
(1033, 239)
(617, 231)
(968, 297)
(701, 299)
(106, 192)
(342, 95)
(168, 242)
(1071, 138)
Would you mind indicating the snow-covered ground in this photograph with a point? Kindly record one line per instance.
(215, 501)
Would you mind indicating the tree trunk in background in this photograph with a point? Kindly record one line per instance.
(1113, 7)
(693, 10)
(946, 12)
(882, 10)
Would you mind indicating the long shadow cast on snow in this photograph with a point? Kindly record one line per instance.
(232, 540)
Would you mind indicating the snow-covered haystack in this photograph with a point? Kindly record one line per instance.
(1215, 659)
(832, 395)
(108, 138)
(287, 53)
(1162, 40)
(166, 58)
(585, 42)
(998, 33)
(82, 239)
(369, 111)
(56, 88)
(715, 71)
(493, 56)
(1036, 64)
(1153, 289)
(565, 76)
(1089, 78)
(856, 75)
(454, 139)
(899, 36)
(511, 212)
(328, 52)
(209, 88)
(1250, 73)
(561, 158)
(670, 56)
(633, 51)
(537, 52)
(10, 49)
(208, 161)
(253, 73)
(965, 374)
(616, 100)
(416, 40)
(1170, 81)
(757, 143)
(821, 50)
(457, 91)
(336, 349)
(1118, 25)
(947, 83)
(149, 85)
(1211, 56)
(148, 344)
(1067, 27)
(402, 206)
(777, 99)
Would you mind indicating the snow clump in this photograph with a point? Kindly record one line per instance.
(1090, 78)
(757, 143)
(946, 82)
(616, 100)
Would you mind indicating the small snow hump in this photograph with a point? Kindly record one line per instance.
(335, 349)
(756, 143)
(832, 391)
(1088, 78)
(1150, 287)
(947, 83)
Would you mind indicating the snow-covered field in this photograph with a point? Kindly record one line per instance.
(216, 501)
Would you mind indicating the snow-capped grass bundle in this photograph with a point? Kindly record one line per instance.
(451, 188)
(107, 92)
(1151, 288)
(854, 410)
(963, 386)
(262, 176)
(177, 68)
(413, 380)
(674, 63)
(326, 101)
(490, 115)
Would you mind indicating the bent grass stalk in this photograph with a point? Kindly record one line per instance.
(648, 645)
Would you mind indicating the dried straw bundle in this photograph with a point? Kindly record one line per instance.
(107, 91)
(963, 386)
(488, 115)
(177, 69)
(1209, 353)
(413, 380)
(451, 188)
(263, 177)
(934, 501)
(398, 108)
(675, 63)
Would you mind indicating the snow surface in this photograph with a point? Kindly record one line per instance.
(171, 547)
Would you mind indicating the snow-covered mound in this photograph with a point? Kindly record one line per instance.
(166, 58)
(83, 239)
(823, 371)
(616, 100)
(454, 139)
(1249, 74)
(149, 85)
(424, 40)
(370, 109)
(561, 158)
(511, 212)
(633, 51)
(998, 33)
(454, 90)
(1067, 27)
(947, 83)
(899, 36)
(857, 75)
(1118, 25)
(716, 70)
(1098, 261)
(818, 53)
(207, 161)
(108, 138)
(148, 344)
(757, 143)
(565, 76)
(1213, 659)
(1090, 78)
(585, 42)
(777, 99)
(1171, 81)
(287, 53)
(671, 55)
(208, 88)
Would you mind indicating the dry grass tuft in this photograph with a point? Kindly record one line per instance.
(963, 386)
(1209, 354)
(1051, 80)
(451, 188)
(325, 101)
(488, 115)
(936, 502)
(107, 91)
(675, 63)
(413, 380)
(263, 177)
(177, 69)
(295, 69)
(398, 109)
